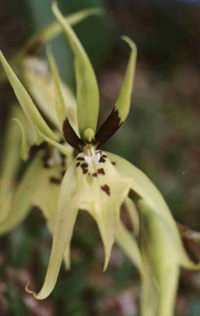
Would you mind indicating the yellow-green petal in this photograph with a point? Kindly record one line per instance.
(26, 102)
(123, 103)
(87, 89)
(163, 255)
(62, 232)
(122, 106)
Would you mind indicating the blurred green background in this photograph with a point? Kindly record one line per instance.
(161, 136)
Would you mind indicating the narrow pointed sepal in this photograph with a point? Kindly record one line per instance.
(164, 250)
(26, 102)
(124, 99)
(163, 254)
(122, 106)
(87, 88)
(62, 232)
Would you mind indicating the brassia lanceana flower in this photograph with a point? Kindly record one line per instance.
(43, 132)
(99, 182)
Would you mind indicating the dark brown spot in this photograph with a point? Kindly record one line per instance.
(108, 128)
(80, 158)
(101, 171)
(102, 159)
(54, 180)
(78, 164)
(94, 174)
(113, 163)
(71, 136)
(84, 165)
(45, 160)
(106, 189)
(134, 196)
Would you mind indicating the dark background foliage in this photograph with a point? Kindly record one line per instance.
(161, 136)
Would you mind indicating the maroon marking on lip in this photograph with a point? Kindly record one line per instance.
(54, 180)
(101, 171)
(113, 163)
(94, 174)
(85, 171)
(80, 158)
(78, 164)
(106, 189)
(84, 165)
(102, 159)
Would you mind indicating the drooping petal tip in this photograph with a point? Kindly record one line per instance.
(34, 294)
(28, 290)
(129, 42)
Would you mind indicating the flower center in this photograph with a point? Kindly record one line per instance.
(91, 156)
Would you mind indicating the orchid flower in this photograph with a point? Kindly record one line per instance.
(100, 182)
(91, 171)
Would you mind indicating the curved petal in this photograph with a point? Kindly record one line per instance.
(124, 99)
(87, 88)
(143, 186)
(122, 106)
(65, 220)
(162, 253)
(26, 102)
